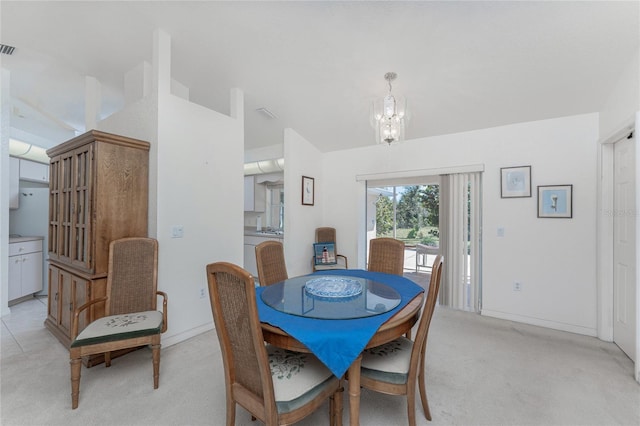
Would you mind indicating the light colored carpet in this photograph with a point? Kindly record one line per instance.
(480, 371)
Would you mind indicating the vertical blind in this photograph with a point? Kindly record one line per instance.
(460, 240)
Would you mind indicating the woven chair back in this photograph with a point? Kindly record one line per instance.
(326, 235)
(270, 263)
(386, 255)
(420, 340)
(132, 278)
(233, 304)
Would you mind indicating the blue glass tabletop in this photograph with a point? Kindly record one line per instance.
(331, 297)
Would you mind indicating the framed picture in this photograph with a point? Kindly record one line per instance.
(515, 182)
(307, 191)
(555, 201)
(324, 253)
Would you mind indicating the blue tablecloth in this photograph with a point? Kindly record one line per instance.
(337, 343)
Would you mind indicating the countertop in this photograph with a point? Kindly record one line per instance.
(251, 232)
(22, 239)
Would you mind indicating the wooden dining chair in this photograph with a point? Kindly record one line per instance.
(275, 385)
(386, 255)
(270, 262)
(327, 234)
(394, 367)
(131, 318)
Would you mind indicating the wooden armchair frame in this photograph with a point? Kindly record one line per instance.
(123, 300)
(247, 371)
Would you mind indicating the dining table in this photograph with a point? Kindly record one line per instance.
(336, 314)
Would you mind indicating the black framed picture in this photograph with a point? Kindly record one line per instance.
(307, 190)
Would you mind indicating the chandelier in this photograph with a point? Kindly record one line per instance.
(389, 115)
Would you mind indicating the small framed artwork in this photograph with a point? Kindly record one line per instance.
(555, 201)
(307, 190)
(515, 182)
(324, 253)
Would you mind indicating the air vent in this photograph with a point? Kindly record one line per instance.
(267, 113)
(6, 50)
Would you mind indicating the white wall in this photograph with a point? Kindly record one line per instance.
(5, 106)
(200, 187)
(623, 100)
(554, 259)
(264, 153)
(301, 158)
(196, 181)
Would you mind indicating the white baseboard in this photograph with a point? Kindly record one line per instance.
(572, 328)
(181, 337)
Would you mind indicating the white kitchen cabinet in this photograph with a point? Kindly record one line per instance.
(33, 171)
(250, 243)
(14, 183)
(255, 195)
(25, 267)
(250, 259)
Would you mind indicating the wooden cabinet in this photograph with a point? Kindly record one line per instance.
(66, 293)
(25, 267)
(98, 192)
(254, 195)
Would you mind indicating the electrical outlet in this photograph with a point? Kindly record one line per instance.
(202, 293)
(517, 286)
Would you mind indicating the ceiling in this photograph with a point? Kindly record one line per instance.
(319, 65)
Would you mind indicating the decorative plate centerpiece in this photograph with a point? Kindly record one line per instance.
(333, 287)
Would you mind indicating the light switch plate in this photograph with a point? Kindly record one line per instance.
(177, 231)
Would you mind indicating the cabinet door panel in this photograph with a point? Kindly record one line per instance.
(54, 294)
(33, 171)
(31, 273)
(66, 207)
(15, 287)
(74, 294)
(54, 207)
(81, 297)
(81, 229)
(66, 307)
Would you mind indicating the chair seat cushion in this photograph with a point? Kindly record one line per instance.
(389, 362)
(120, 327)
(297, 377)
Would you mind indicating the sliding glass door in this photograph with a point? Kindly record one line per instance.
(434, 215)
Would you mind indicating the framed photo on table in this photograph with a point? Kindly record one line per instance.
(307, 190)
(555, 201)
(515, 182)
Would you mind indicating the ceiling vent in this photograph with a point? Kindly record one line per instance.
(6, 50)
(267, 113)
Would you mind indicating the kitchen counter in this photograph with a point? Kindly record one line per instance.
(251, 232)
(22, 239)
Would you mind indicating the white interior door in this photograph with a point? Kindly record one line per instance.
(624, 250)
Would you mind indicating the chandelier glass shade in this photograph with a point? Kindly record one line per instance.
(388, 116)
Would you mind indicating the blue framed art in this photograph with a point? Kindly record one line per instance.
(515, 182)
(555, 201)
